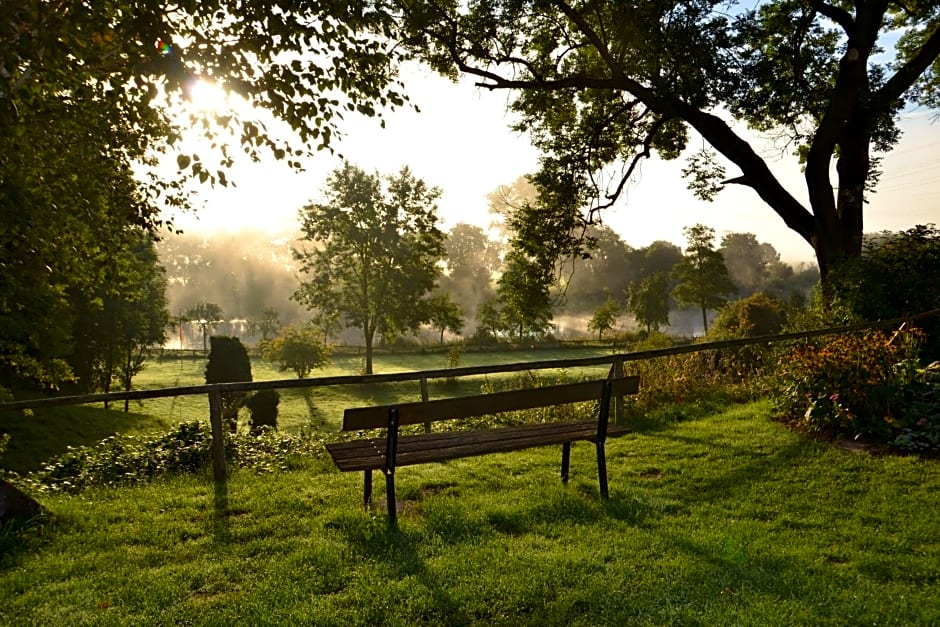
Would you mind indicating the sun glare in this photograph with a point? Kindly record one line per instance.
(208, 97)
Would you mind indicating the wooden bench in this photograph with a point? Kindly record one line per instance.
(394, 450)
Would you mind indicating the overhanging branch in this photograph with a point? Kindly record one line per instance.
(908, 73)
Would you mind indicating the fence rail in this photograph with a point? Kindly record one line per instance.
(615, 360)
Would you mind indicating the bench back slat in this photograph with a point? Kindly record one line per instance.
(376, 417)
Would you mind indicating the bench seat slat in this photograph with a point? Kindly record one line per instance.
(369, 454)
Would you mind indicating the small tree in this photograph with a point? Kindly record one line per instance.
(648, 300)
(267, 325)
(522, 294)
(299, 349)
(228, 363)
(208, 316)
(605, 316)
(702, 277)
(445, 315)
(489, 323)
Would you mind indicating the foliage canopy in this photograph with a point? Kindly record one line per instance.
(602, 86)
(375, 254)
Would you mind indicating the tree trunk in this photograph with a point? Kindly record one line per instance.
(705, 320)
(369, 333)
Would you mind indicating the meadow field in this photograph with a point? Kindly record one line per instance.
(718, 516)
(723, 519)
(322, 407)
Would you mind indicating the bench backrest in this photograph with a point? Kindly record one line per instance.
(425, 412)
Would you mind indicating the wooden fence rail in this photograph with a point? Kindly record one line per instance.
(616, 361)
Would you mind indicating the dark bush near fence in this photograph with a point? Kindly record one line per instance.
(229, 363)
(263, 407)
(898, 275)
(758, 314)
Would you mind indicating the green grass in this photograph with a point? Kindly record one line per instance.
(47, 433)
(729, 519)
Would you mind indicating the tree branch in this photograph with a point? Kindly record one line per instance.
(902, 80)
(840, 16)
(592, 36)
(755, 173)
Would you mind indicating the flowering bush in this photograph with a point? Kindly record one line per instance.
(854, 384)
(922, 433)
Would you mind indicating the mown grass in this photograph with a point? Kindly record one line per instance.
(47, 433)
(721, 520)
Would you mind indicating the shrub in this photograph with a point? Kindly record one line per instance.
(758, 314)
(922, 433)
(263, 407)
(229, 363)
(299, 349)
(897, 275)
(852, 384)
(187, 448)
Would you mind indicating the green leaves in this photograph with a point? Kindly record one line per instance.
(375, 253)
(705, 174)
(702, 277)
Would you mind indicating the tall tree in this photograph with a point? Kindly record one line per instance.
(471, 258)
(267, 324)
(375, 252)
(702, 277)
(648, 300)
(607, 271)
(142, 317)
(121, 313)
(600, 84)
(523, 301)
(89, 93)
(752, 265)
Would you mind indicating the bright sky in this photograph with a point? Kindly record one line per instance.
(461, 142)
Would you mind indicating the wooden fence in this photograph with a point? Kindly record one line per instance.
(616, 361)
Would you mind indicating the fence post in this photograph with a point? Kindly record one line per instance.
(618, 401)
(218, 436)
(424, 399)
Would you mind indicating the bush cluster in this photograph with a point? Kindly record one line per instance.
(187, 448)
(757, 315)
(865, 385)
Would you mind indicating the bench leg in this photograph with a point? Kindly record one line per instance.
(565, 460)
(367, 489)
(390, 495)
(602, 469)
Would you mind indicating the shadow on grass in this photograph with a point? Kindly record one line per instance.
(221, 530)
(730, 565)
(20, 536)
(47, 433)
(750, 465)
(313, 416)
(379, 539)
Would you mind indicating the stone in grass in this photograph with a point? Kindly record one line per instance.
(15, 504)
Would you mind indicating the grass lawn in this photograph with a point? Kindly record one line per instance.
(48, 432)
(729, 519)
